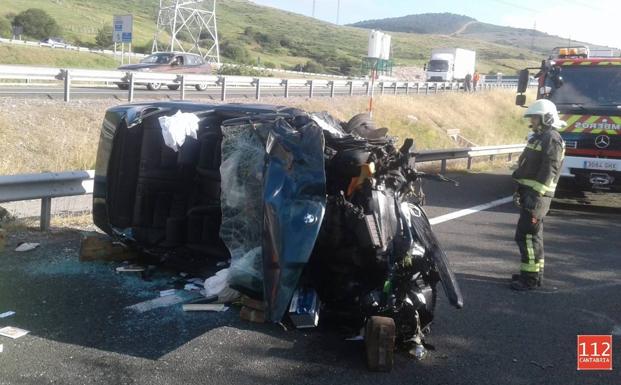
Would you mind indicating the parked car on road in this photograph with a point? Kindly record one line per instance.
(169, 62)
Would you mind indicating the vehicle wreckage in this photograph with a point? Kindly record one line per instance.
(295, 201)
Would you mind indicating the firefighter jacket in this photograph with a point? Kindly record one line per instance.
(539, 165)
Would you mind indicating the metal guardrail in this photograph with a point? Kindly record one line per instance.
(46, 186)
(179, 81)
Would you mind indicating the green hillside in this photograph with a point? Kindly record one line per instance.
(250, 33)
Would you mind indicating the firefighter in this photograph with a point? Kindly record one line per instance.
(537, 174)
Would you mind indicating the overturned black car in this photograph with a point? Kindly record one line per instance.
(293, 200)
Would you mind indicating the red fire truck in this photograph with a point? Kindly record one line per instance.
(587, 93)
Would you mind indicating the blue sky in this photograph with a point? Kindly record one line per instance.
(594, 21)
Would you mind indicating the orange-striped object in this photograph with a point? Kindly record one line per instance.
(592, 124)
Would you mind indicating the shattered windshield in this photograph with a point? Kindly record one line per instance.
(438, 66)
(589, 86)
(158, 59)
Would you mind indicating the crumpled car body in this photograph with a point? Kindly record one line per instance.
(292, 199)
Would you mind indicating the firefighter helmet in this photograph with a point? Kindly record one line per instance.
(547, 110)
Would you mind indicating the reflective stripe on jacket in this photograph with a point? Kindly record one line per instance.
(539, 166)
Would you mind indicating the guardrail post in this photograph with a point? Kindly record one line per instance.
(443, 166)
(407, 88)
(223, 93)
(257, 82)
(311, 88)
(331, 83)
(426, 88)
(286, 83)
(130, 96)
(395, 88)
(46, 213)
(436, 90)
(368, 88)
(67, 93)
(351, 88)
(469, 166)
(417, 88)
(182, 87)
(509, 157)
(382, 88)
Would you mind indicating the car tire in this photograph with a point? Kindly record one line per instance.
(173, 87)
(379, 341)
(154, 86)
(123, 86)
(201, 87)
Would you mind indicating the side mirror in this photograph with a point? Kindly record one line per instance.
(520, 100)
(523, 81)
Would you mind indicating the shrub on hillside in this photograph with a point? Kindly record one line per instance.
(37, 24)
(235, 52)
(104, 37)
(5, 27)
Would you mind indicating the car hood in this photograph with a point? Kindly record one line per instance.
(139, 66)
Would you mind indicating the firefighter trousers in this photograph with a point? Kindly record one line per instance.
(529, 238)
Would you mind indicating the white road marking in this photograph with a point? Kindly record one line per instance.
(472, 210)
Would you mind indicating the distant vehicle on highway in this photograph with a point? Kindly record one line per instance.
(173, 62)
(54, 42)
(450, 64)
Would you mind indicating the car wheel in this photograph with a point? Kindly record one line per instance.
(154, 86)
(201, 87)
(123, 86)
(173, 87)
(379, 341)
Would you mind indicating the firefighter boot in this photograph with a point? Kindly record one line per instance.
(525, 281)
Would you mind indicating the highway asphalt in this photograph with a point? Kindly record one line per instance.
(82, 333)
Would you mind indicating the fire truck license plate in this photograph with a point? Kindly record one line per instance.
(600, 165)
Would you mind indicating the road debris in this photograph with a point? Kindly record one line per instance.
(166, 301)
(7, 314)
(13, 332)
(26, 246)
(164, 293)
(205, 307)
(1, 348)
(130, 269)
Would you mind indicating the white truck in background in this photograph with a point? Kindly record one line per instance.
(450, 64)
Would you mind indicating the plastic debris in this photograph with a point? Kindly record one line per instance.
(205, 307)
(159, 302)
(26, 246)
(176, 128)
(218, 285)
(130, 269)
(7, 314)
(13, 332)
(191, 287)
(164, 293)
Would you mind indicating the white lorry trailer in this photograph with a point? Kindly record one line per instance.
(450, 64)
